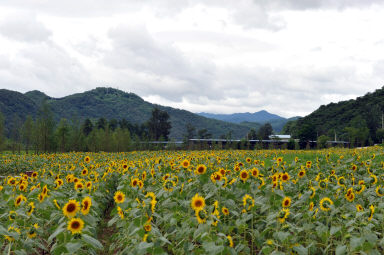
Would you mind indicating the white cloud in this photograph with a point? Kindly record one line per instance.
(223, 56)
(24, 27)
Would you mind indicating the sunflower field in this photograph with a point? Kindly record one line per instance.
(193, 202)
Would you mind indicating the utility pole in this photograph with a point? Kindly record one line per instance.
(335, 136)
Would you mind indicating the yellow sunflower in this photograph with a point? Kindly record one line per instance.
(200, 169)
(283, 215)
(244, 175)
(185, 163)
(197, 202)
(325, 204)
(71, 208)
(371, 211)
(119, 197)
(230, 240)
(248, 202)
(75, 225)
(225, 211)
(19, 199)
(359, 208)
(31, 208)
(86, 205)
(286, 202)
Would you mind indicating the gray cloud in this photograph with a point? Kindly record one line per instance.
(25, 28)
(134, 49)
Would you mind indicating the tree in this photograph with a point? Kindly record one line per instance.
(2, 136)
(380, 134)
(45, 126)
(113, 124)
(203, 134)
(190, 131)
(28, 128)
(306, 133)
(265, 131)
(87, 127)
(252, 135)
(322, 141)
(16, 133)
(101, 123)
(159, 124)
(62, 134)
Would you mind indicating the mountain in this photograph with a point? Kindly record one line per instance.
(252, 120)
(110, 104)
(358, 118)
(260, 117)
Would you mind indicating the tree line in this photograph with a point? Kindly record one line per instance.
(44, 134)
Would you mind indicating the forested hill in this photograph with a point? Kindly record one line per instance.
(110, 104)
(357, 120)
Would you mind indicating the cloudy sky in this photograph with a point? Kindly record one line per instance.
(221, 56)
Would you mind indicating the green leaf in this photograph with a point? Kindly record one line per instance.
(356, 242)
(92, 241)
(301, 250)
(282, 236)
(72, 247)
(59, 230)
(335, 229)
(341, 249)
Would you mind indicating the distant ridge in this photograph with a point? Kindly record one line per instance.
(252, 120)
(111, 104)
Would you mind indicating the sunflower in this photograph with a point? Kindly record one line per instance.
(371, 211)
(248, 201)
(216, 176)
(147, 227)
(120, 212)
(75, 225)
(374, 179)
(185, 163)
(31, 208)
(19, 199)
(301, 174)
(354, 167)
(87, 159)
(380, 191)
(86, 205)
(56, 204)
(41, 197)
(71, 208)
(325, 204)
(12, 215)
(35, 174)
(359, 208)
(311, 205)
(201, 216)
(200, 169)
(285, 177)
(225, 211)
(323, 184)
(197, 202)
(283, 214)
(230, 240)
(255, 172)
(244, 175)
(134, 182)
(341, 181)
(84, 172)
(119, 197)
(286, 202)
(31, 233)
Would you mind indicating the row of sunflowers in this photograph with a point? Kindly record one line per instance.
(194, 202)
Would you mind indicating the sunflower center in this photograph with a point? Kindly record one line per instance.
(86, 205)
(75, 225)
(71, 208)
(201, 169)
(119, 198)
(198, 203)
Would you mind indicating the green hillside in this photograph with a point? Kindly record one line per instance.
(357, 120)
(110, 104)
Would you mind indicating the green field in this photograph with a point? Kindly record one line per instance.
(194, 202)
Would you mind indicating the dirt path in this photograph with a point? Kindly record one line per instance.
(105, 233)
